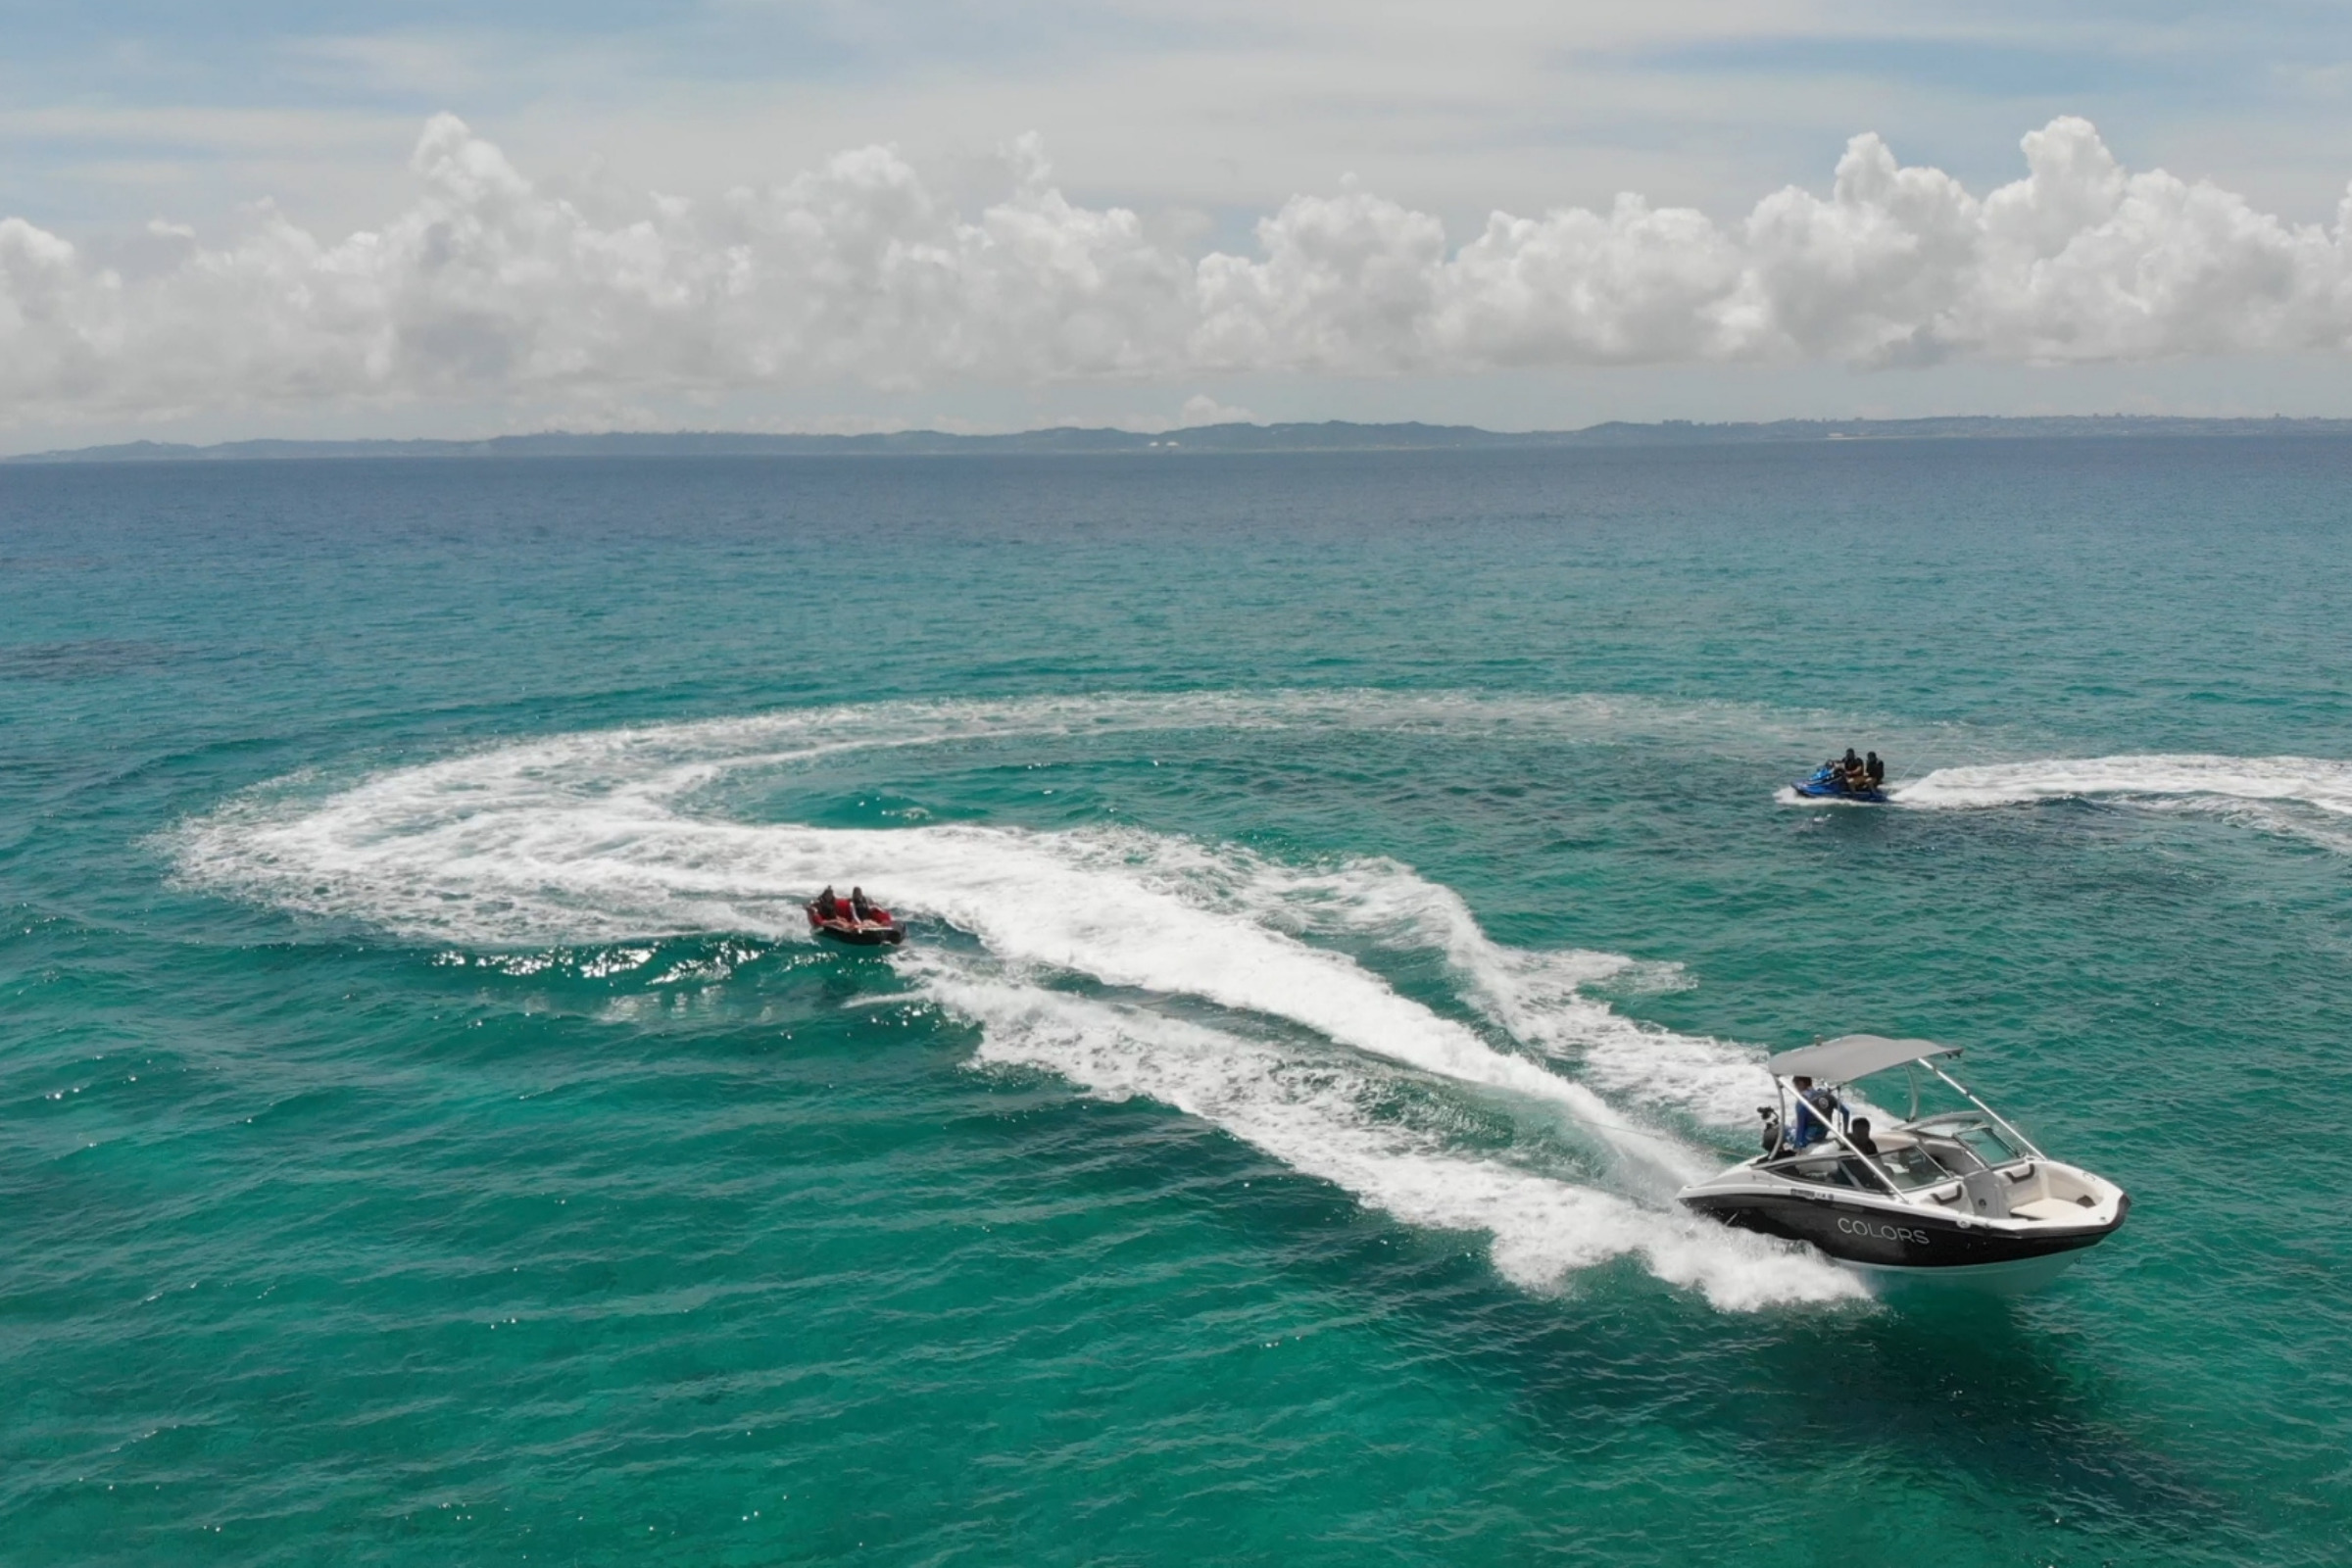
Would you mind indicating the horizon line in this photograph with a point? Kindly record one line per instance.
(1225, 435)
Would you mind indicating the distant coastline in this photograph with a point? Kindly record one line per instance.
(1330, 436)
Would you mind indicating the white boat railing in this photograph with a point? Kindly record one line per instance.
(1921, 1194)
(2024, 1143)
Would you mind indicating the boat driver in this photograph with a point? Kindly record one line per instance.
(1809, 1127)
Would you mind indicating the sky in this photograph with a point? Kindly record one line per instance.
(262, 219)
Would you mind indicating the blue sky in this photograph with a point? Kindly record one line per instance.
(1202, 119)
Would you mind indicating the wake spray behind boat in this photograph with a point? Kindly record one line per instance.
(1959, 1197)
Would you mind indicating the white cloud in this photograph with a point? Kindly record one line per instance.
(861, 274)
(1200, 409)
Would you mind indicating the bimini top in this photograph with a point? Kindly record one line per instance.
(1850, 1057)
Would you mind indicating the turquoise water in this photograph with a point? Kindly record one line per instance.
(1348, 893)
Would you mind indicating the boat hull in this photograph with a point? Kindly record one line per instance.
(2017, 1277)
(1911, 1244)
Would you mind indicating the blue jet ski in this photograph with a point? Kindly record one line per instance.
(1827, 784)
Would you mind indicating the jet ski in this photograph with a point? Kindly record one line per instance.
(1958, 1197)
(879, 929)
(1827, 784)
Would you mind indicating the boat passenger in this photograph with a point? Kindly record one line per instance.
(1857, 1133)
(859, 911)
(828, 907)
(1813, 1107)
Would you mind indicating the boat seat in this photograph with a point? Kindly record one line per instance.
(2048, 1208)
(1984, 1194)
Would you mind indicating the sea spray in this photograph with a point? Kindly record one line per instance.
(589, 837)
(1315, 1119)
(2311, 781)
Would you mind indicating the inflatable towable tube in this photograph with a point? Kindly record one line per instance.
(880, 929)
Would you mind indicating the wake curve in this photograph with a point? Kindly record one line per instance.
(1542, 1229)
(589, 838)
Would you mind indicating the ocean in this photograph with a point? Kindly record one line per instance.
(1348, 893)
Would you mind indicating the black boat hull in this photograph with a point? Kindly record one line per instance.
(1917, 1242)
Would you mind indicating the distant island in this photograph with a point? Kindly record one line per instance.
(1330, 436)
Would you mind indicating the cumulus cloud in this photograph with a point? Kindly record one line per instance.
(1200, 409)
(861, 273)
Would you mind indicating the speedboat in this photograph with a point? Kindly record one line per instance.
(1827, 784)
(880, 928)
(1959, 1197)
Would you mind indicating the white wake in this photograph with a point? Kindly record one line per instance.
(595, 838)
(1326, 1122)
(2327, 785)
(2300, 797)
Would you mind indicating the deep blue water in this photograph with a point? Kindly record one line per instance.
(427, 1134)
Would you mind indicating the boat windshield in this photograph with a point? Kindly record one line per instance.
(1912, 1168)
(1977, 1135)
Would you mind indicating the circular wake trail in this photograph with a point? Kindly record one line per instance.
(588, 838)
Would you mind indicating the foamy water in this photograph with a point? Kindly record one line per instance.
(2311, 781)
(595, 838)
(1542, 1229)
